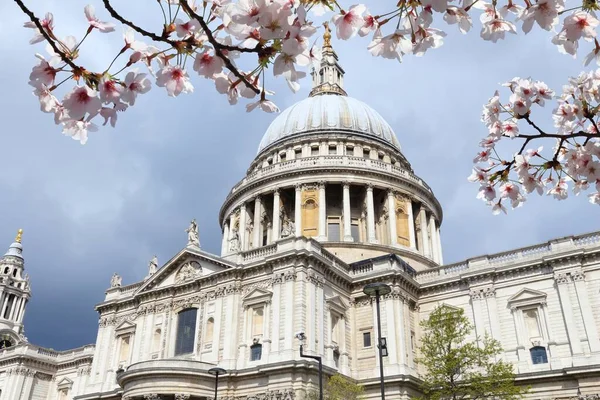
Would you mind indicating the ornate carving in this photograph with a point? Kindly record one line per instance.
(288, 228)
(290, 275)
(115, 280)
(189, 271)
(489, 292)
(182, 396)
(234, 240)
(152, 266)
(578, 276)
(286, 394)
(315, 279)
(476, 294)
(152, 396)
(561, 279)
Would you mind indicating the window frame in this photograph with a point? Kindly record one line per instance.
(543, 356)
(177, 352)
(370, 336)
(253, 353)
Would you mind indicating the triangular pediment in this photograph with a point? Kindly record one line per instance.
(526, 296)
(257, 296)
(337, 304)
(64, 383)
(125, 327)
(186, 266)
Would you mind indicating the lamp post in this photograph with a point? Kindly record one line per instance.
(216, 371)
(300, 336)
(378, 289)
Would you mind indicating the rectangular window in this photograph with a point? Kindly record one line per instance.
(355, 231)
(366, 339)
(257, 321)
(282, 157)
(333, 231)
(298, 153)
(336, 358)
(538, 355)
(532, 322)
(124, 351)
(332, 149)
(314, 151)
(255, 352)
(186, 325)
(334, 329)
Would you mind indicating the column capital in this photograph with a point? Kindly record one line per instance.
(578, 276)
(369, 187)
(346, 184)
(182, 396)
(298, 187)
(562, 279)
(276, 192)
(321, 184)
(243, 205)
(392, 193)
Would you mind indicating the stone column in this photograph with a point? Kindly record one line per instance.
(424, 237)
(562, 284)
(242, 225)
(439, 244)
(298, 211)
(392, 218)
(433, 235)
(476, 299)
(256, 238)
(4, 304)
(225, 241)
(411, 225)
(347, 211)
(22, 312)
(492, 311)
(586, 311)
(322, 234)
(370, 215)
(12, 309)
(275, 223)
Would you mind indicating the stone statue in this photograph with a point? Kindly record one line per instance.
(187, 272)
(193, 236)
(234, 241)
(152, 266)
(288, 227)
(115, 281)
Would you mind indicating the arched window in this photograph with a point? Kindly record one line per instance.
(124, 350)
(156, 340)
(257, 321)
(210, 328)
(255, 352)
(186, 325)
(538, 355)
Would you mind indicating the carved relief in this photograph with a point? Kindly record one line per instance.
(182, 396)
(189, 271)
(578, 276)
(561, 279)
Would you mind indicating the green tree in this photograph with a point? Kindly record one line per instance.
(338, 387)
(458, 369)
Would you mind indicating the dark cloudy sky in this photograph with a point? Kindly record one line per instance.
(108, 206)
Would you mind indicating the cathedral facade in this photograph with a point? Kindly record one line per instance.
(329, 205)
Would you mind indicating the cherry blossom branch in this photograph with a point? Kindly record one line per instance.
(218, 46)
(76, 68)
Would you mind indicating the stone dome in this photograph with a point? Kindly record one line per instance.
(329, 112)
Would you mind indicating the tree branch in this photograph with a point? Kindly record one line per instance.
(76, 69)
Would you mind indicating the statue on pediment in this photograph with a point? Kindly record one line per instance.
(187, 272)
(115, 281)
(193, 235)
(152, 266)
(234, 241)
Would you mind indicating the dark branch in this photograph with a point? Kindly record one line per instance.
(76, 69)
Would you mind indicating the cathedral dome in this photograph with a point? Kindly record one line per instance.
(329, 112)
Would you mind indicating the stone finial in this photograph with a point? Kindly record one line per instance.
(326, 35)
(193, 236)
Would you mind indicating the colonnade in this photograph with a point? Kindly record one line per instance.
(266, 218)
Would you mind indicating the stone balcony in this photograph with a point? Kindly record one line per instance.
(168, 378)
(327, 162)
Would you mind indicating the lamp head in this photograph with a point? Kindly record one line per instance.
(301, 336)
(217, 371)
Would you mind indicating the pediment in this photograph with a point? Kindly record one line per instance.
(257, 296)
(64, 383)
(527, 297)
(186, 266)
(337, 304)
(124, 328)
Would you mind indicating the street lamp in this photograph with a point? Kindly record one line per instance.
(216, 371)
(301, 337)
(378, 289)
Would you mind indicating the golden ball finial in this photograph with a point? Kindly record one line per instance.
(19, 235)
(326, 35)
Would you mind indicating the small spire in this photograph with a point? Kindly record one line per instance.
(19, 236)
(327, 36)
(329, 77)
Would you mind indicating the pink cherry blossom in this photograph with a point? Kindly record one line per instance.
(284, 65)
(565, 45)
(110, 90)
(370, 24)
(48, 102)
(78, 130)
(207, 64)
(224, 85)
(559, 191)
(90, 14)
(47, 23)
(595, 198)
(429, 38)
(263, 104)
(478, 175)
(437, 5)
(185, 29)
(580, 24)
(544, 12)
(496, 28)
(82, 100)
(510, 128)
(43, 73)
(486, 192)
(175, 79)
(497, 208)
(110, 114)
(391, 46)
(348, 23)
(457, 15)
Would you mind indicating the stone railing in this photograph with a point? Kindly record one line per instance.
(329, 161)
(259, 253)
(553, 247)
(37, 352)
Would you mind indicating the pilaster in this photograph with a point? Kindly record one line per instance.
(424, 237)
(256, 238)
(322, 212)
(242, 232)
(298, 210)
(411, 225)
(276, 216)
(586, 310)
(391, 198)
(346, 212)
(370, 215)
(562, 284)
